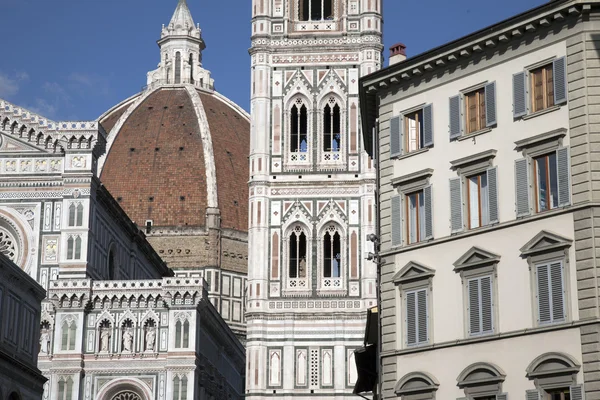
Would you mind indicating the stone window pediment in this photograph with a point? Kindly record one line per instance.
(545, 242)
(481, 379)
(474, 163)
(543, 142)
(413, 181)
(554, 370)
(474, 258)
(416, 385)
(411, 272)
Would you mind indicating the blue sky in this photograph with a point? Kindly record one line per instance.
(74, 59)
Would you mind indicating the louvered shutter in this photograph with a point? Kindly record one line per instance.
(474, 307)
(519, 94)
(428, 125)
(544, 315)
(560, 80)
(396, 220)
(564, 178)
(395, 136)
(423, 330)
(522, 187)
(502, 396)
(411, 318)
(487, 305)
(462, 398)
(557, 292)
(492, 181)
(532, 395)
(428, 212)
(577, 392)
(456, 219)
(455, 117)
(490, 104)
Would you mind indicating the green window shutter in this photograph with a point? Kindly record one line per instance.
(411, 318)
(557, 290)
(544, 294)
(522, 186)
(395, 136)
(455, 117)
(492, 181)
(428, 125)
(560, 80)
(490, 104)
(520, 94)
(427, 201)
(396, 214)
(456, 218)
(474, 310)
(577, 392)
(532, 395)
(564, 177)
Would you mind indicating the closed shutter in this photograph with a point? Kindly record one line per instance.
(455, 117)
(490, 104)
(564, 178)
(411, 318)
(532, 395)
(396, 220)
(480, 311)
(395, 136)
(428, 212)
(502, 396)
(522, 187)
(519, 94)
(492, 181)
(456, 219)
(544, 315)
(577, 392)
(428, 125)
(557, 292)
(474, 307)
(423, 316)
(560, 80)
(487, 305)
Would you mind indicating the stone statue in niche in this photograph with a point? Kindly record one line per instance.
(127, 340)
(150, 338)
(104, 338)
(45, 341)
(78, 162)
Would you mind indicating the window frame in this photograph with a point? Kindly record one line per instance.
(399, 138)
(332, 159)
(298, 159)
(459, 111)
(480, 100)
(337, 285)
(295, 285)
(536, 187)
(302, 18)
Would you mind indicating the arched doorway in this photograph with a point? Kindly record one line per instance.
(125, 389)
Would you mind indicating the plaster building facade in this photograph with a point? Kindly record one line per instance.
(20, 309)
(177, 163)
(489, 243)
(311, 196)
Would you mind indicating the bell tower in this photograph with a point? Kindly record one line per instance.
(312, 198)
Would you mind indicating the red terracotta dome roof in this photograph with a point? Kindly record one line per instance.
(174, 152)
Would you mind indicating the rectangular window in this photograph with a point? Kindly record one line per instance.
(546, 182)
(480, 307)
(475, 111)
(558, 394)
(477, 200)
(542, 87)
(413, 126)
(550, 292)
(417, 330)
(415, 217)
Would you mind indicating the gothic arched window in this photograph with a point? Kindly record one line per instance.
(69, 332)
(182, 334)
(76, 214)
(299, 129)
(65, 389)
(74, 248)
(315, 10)
(332, 253)
(178, 67)
(331, 127)
(191, 68)
(297, 253)
(180, 388)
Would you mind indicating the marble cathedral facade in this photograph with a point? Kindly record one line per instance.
(311, 196)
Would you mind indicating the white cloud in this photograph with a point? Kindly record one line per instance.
(44, 108)
(22, 76)
(8, 86)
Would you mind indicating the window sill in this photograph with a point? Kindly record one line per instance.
(412, 153)
(468, 136)
(541, 112)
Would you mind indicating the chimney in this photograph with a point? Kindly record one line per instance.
(397, 53)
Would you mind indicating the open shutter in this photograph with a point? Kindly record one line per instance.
(428, 212)
(474, 307)
(428, 125)
(492, 181)
(423, 330)
(456, 219)
(557, 292)
(396, 220)
(519, 94)
(411, 318)
(577, 392)
(560, 80)
(502, 396)
(490, 104)
(487, 305)
(455, 117)
(395, 136)
(564, 178)
(522, 187)
(532, 395)
(544, 315)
